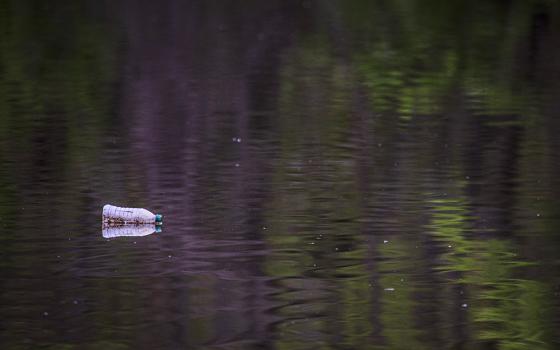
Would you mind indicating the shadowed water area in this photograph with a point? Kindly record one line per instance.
(332, 174)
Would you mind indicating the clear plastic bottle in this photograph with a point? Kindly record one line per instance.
(113, 215)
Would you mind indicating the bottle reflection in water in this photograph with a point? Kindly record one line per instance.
(111, 231)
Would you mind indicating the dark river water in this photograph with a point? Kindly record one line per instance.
(332, 174)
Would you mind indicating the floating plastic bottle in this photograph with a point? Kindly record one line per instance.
(115, 216)
(109, 231)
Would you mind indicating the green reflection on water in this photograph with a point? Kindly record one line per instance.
(421, 68)
(415, 55)
(55, 92)
(504, 308)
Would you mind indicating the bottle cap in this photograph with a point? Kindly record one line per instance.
(159, 219)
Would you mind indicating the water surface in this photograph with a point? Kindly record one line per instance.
(332, 174)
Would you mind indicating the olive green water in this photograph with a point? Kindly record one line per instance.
(332, 174)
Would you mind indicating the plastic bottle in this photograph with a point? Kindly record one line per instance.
(126, 216)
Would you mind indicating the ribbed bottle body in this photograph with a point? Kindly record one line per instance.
(113, 215)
